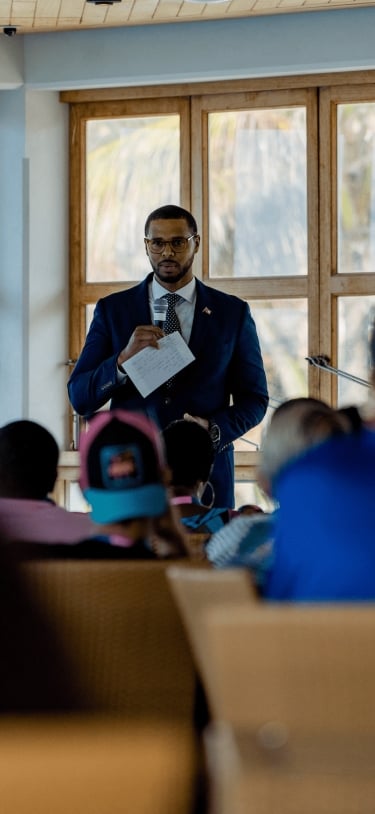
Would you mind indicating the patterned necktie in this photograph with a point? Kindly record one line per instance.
(172, 322)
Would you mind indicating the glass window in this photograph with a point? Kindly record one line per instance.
(280, 176)
(282, 331)
(356, 187)
(356, 318)
(257, 193)
(132, 166)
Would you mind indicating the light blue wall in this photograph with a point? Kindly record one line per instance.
(46, 149)
(34, 156)
(11, 62)
(209, 50)
(13, 256)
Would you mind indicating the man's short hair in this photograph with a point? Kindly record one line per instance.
(171, 212)
(122, 467)
(28, 460)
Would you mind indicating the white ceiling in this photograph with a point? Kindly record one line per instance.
(32, 16)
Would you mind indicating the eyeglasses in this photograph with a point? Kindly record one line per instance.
(177, 244)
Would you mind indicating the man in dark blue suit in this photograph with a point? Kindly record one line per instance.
(224, 388)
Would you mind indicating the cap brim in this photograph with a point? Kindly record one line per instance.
(113, 507)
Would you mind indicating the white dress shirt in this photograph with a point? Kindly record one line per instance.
(184, 309)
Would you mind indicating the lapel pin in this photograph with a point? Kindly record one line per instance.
(206, 311)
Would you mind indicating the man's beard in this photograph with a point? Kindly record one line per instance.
(171, 278)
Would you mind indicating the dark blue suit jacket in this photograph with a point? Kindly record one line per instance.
(225, 383)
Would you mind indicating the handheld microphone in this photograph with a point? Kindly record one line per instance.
(160, 313)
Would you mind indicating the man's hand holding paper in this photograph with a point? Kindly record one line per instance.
(152, 367)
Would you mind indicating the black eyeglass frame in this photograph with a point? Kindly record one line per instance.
(164, 243)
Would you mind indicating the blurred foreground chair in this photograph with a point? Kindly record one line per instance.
(195, 590)
(94, 766)
(294, 689)
(97, 669)
(120, 634)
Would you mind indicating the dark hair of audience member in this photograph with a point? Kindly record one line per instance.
(28, 460)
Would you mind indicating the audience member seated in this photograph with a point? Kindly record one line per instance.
(190, 456)
(296, 425)
(325, 526)
(28, 471)
(124, 477)
(250, 509)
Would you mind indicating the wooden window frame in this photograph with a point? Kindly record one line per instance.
(322, 287)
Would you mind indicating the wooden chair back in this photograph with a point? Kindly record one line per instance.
(96, 765)
(195, 591)
(119, 632)
(312, 775)
(294, 691)
(308, 667)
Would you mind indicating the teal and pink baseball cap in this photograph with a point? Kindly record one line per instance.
(121, 467)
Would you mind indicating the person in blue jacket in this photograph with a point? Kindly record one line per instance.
(324, 533)
(224, 388)
(324, 546)
(296, 426)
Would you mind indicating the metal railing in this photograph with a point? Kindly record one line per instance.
(323, 362)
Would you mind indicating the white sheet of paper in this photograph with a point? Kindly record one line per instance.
(151, 367)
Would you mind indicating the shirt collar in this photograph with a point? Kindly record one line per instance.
(187, 292)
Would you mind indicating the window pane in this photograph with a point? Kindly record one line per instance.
(257, 193)
(356, 317)
(356, 187)
(282, 331)
(133, 166)
(75, 501)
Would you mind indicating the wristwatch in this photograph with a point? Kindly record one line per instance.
(215, 433)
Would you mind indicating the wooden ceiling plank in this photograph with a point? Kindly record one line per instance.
(263, 5)
(241, 6)
(47, 9)
(72, 9)
(24, 9)
(118, 14)
(189, 10)
(53, 15)
(5, 9)
(143, 8)
(294, 4)
(94, 14)
(161, 13)
(209, 12)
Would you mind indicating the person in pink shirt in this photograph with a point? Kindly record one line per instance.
(28, 471)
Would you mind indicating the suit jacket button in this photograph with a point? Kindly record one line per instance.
(167, 401)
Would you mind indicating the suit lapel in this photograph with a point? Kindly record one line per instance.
(203, 321)
(139, 304)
